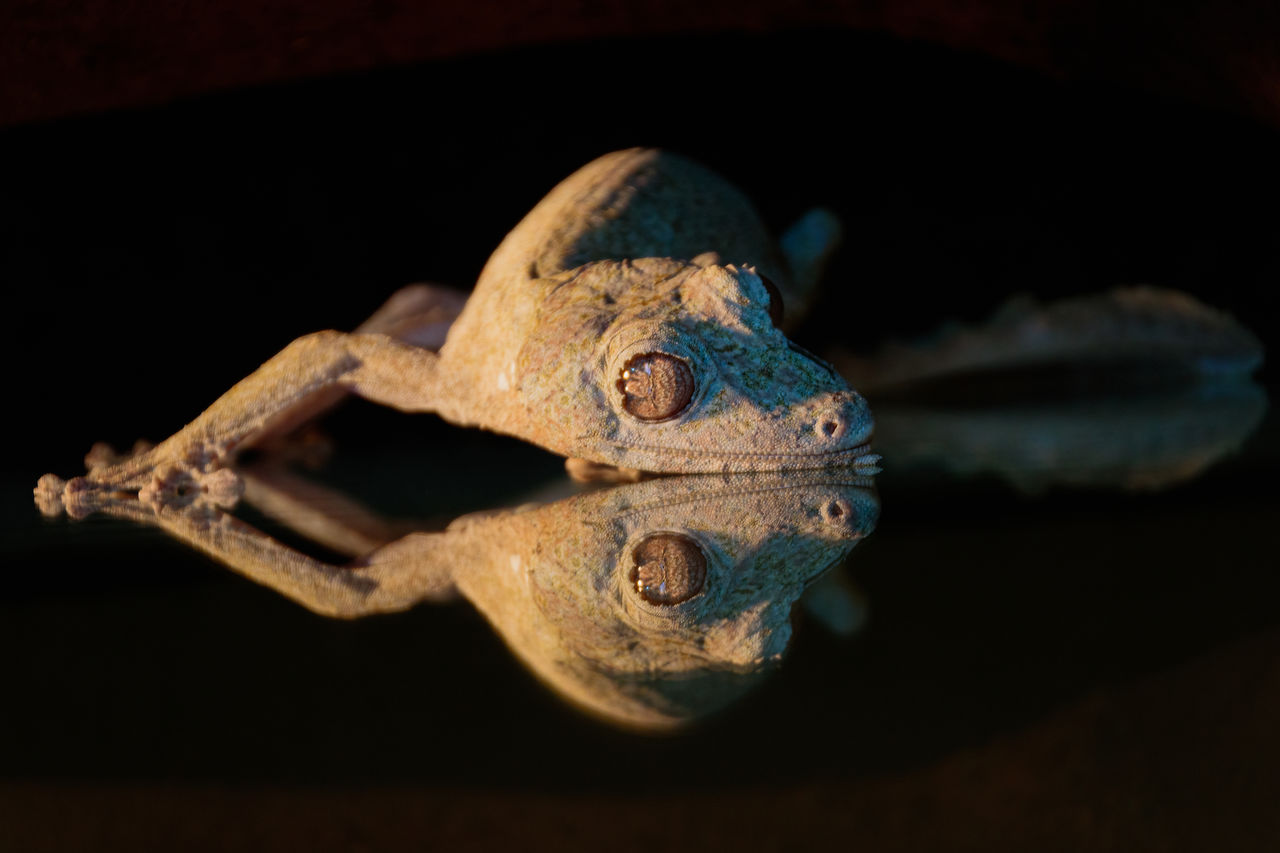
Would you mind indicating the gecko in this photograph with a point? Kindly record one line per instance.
(648, 604)
(634, 318)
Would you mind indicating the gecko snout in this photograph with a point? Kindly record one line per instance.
(843, 419)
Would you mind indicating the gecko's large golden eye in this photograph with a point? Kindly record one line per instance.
(668, 568)
(775, 302)
(655, 386)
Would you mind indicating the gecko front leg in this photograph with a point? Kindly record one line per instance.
(418, 314)
(192, 464)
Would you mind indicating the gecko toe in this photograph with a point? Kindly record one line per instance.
(76, 496)
(48, 495)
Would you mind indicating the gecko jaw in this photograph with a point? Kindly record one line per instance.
(712, 461)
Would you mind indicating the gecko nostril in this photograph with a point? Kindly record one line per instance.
(829, 427)
(836, 511)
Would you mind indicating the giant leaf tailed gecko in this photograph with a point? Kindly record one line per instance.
(631, 319)
(650, 604)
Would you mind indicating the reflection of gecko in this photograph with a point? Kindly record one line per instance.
(630, 320)
(650, 604)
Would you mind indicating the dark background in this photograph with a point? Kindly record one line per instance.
(1088, 671)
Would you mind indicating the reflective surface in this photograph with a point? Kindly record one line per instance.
(1040, 660)
(649, 604)
(1097, 645)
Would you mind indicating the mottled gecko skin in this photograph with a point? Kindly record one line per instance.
(639, 253)
(624, 257)
(558, 581)
(757, 404)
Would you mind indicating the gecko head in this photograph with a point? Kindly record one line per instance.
(656, 603)
(669, 366)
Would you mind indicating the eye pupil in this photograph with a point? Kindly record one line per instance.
(655, 386)
(669, 568)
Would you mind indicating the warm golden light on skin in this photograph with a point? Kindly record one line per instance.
(599, 257)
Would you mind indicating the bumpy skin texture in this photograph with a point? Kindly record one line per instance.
(557, 584)
(644, 251)
(640, 251)
(557, 580)
(756, 404)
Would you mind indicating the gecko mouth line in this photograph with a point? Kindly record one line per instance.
(857, 451)
(712, 495)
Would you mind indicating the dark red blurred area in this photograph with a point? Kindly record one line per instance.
(78, 56)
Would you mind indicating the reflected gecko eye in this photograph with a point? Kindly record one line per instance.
(655, 386)
(775, 301)
(668, 569)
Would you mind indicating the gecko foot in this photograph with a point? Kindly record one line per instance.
(140, 480)
(180, 486)
(48, 493)
(77, 497)
(103, 455)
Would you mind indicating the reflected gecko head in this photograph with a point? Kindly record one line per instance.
(664, 365)
(656, 603)
(651, 604)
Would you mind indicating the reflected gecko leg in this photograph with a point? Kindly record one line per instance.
(393, 578)
(321, 514)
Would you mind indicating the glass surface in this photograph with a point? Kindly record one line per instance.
(1074, 657)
